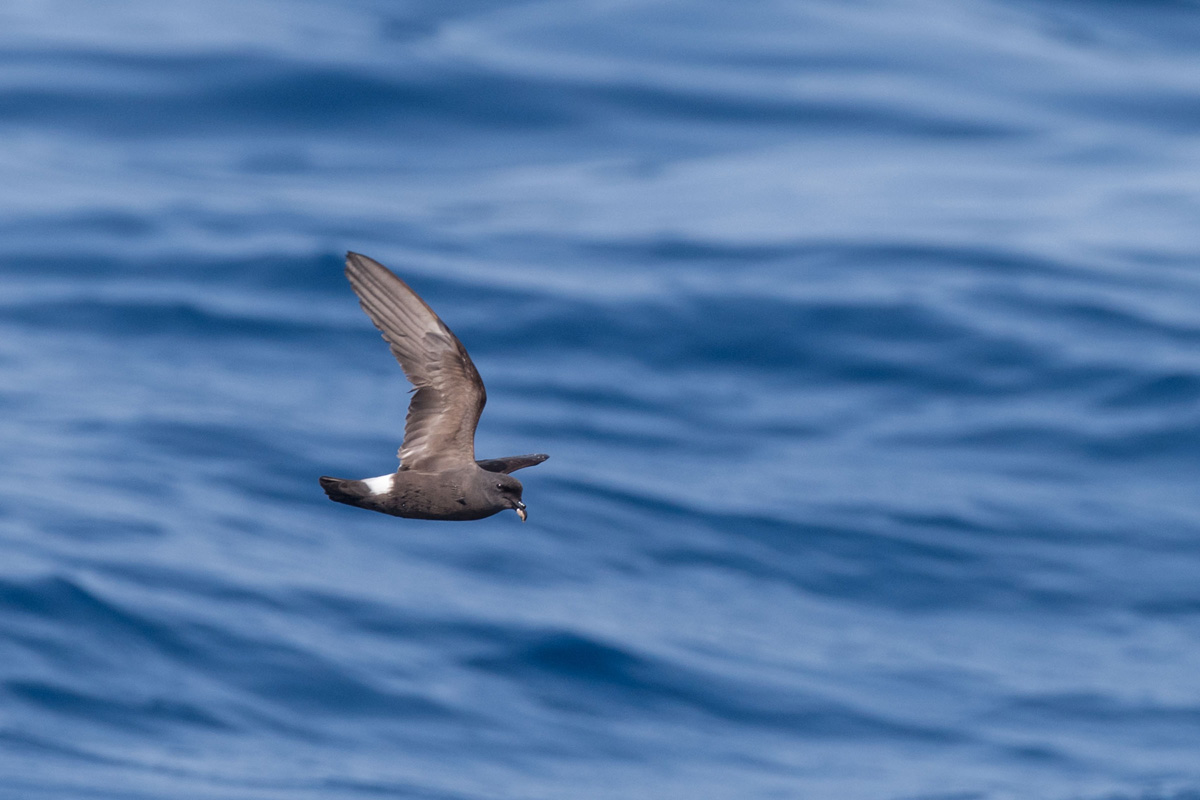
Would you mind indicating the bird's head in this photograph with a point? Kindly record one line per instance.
(507, 491)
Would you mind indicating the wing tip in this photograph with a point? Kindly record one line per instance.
(357, 261)
(510, 464)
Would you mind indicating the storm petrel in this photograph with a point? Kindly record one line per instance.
(438, 477)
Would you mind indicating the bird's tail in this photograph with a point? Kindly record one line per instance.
(344, 491)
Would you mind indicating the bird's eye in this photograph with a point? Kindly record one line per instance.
(500, 486)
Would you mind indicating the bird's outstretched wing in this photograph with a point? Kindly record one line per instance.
(439, 432)
(511, 463)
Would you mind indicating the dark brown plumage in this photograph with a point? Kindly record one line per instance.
(438, 477)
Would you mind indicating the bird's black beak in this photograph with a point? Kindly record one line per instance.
(520, 509)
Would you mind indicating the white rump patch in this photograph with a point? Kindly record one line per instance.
(380, 485)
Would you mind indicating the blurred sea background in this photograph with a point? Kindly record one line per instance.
(864, 338)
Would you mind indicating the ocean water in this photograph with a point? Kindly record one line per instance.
(864, 338)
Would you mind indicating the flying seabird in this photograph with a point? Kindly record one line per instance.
(438, 477)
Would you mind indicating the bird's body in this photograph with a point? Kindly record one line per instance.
(438, 477)
(451, 495)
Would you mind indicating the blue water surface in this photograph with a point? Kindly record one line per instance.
(864, 338)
